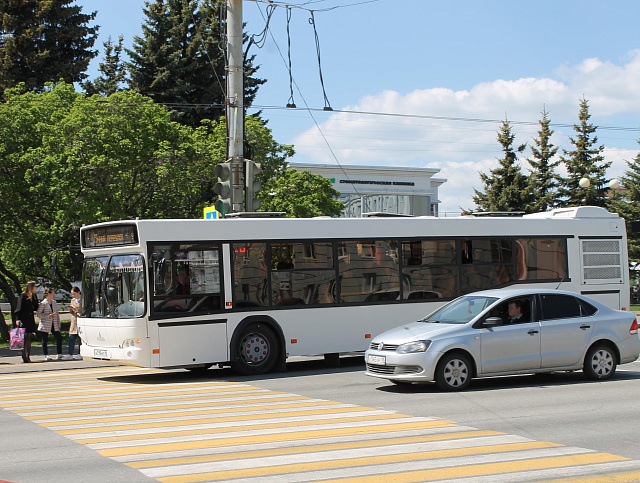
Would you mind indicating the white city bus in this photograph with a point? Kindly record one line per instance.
(250, 292)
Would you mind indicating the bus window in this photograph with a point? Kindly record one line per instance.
(186, 278)
(429, 269)
(486, 263)
(370, 272)
(302, 273)
(249, 275)
(542, 258)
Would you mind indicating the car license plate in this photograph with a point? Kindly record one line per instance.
(99, 353)
(382, 360)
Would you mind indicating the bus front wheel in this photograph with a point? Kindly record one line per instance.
(257, 350)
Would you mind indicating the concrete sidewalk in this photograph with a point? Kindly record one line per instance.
(11, 361)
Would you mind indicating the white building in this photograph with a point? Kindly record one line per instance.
(367, 189)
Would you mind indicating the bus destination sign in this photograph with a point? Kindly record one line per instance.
(110, 236)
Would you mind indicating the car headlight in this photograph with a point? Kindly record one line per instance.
(415, 346)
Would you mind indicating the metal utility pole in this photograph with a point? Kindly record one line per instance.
(235, 103)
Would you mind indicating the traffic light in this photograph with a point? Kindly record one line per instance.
(252, 203)
(223, 187)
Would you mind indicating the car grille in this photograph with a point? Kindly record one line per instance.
(385, 347)
(390, 370)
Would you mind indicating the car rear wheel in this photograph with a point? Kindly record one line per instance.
(600, 363)
(453, 372)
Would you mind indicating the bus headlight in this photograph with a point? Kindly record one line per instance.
(131, 343)
(415, 346)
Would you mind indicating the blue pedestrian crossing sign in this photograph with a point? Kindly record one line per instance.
(210, 213)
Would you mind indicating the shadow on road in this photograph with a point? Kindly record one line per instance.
(512, 382)
(300, 368)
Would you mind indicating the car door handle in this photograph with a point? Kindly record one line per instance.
(585, 326)
(532, 331)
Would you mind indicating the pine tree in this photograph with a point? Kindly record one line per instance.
(627, 205)
(543, 182)
(179, 60)
(585, 161)
(112, 71)
(505, 189)
(44, 41)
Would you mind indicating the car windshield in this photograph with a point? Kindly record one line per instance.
(460, 310)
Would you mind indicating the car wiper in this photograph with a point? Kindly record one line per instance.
(432, 321)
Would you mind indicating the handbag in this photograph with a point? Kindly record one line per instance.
(17, 339)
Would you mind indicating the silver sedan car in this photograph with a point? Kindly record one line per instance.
(506, 331)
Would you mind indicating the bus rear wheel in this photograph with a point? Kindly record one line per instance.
(257, 350)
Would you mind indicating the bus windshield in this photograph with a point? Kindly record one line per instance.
(114, 287)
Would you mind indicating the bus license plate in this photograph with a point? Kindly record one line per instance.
(99, 353)
(382, 360)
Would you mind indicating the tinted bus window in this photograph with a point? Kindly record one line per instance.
(369, 271)
(542, 258)
(302, 273)
(429, 269)
(486, 263)
(250, 283)
(186, 278)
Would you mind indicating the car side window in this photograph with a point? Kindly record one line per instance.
(558, 306)
(513, 311)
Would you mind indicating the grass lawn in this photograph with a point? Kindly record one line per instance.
(635, 308)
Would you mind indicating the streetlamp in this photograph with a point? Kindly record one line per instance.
(584, 183)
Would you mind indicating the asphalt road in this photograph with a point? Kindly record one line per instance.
(562, 408)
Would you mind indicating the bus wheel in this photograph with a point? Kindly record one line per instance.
(257, 350)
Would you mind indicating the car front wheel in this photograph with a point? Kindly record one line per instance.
(600, 363)
(453, 372)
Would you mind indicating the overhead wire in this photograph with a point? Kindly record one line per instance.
(291, 102)
(312, 21)
(308, 109)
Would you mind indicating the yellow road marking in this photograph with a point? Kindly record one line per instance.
(122, 396)
(191, 432)
(115, 386)
(312, 449)
(169, 412)
(622, 477)
(480, 470)
(410, 476)
(245, 417)
(178, 401)
(270, 438)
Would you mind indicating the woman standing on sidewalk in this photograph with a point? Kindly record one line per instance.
(49, 313)
(74, 310)
(27, 305)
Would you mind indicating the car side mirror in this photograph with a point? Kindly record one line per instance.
(492, 322)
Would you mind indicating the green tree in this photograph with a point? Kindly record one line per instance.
(67, 160)
(627, 205)
(112, 71)
(543, 181)
(179, 62)
(505, 189)
(44, 41)
(301, 194)
(584, 161)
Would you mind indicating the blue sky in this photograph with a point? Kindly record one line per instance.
(458, 59)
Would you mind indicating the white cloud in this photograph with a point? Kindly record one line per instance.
(462, 148)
